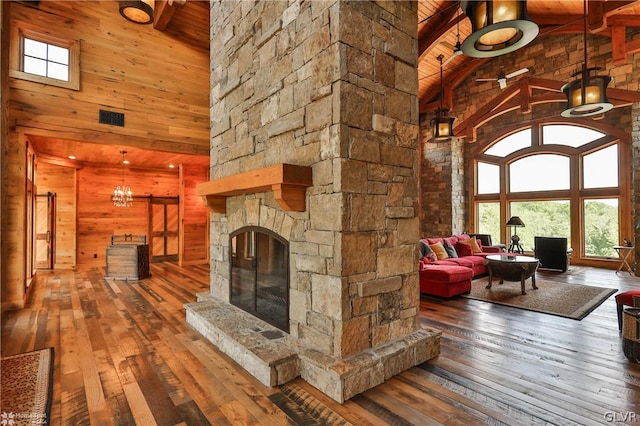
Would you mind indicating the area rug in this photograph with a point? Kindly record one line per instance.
(27, 385)
(556, 298)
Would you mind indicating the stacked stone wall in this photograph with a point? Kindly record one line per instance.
(333, 86)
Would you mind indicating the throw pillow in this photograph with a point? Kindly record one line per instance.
(473, 243)
(464, 248)
(475, 247)
(426, 252)
(439, 250)
(451, 251)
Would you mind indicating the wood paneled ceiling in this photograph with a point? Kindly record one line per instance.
(440, 21)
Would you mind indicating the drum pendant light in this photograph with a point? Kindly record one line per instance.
(498, 27)
(587, 95)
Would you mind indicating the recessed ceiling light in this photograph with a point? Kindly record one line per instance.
(171, 166)
(72, 157)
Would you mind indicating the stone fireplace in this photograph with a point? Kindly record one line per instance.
(315, 144)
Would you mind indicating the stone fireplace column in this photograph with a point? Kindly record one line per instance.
(332, 86)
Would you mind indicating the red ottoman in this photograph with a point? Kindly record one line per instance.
(623, 299)
(445, 281)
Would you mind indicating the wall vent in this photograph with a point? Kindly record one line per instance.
(112, 118)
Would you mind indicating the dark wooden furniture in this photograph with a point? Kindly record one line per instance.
(552, 252)
(512, 268)
(128, 257)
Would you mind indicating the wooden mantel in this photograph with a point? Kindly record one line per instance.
(287, 181)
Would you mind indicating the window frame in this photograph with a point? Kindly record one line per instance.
(16, 65)
(576, 194)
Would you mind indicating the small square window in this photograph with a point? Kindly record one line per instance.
(44, 59)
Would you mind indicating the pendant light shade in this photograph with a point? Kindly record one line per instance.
(498, 27)
(442, 123)
(137, 11)
(587, 95)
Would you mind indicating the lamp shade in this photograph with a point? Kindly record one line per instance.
(442, 126)
(587, 96)
(515, 221)
(137, 11)
(498, 27)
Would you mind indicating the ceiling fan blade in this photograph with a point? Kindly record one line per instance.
(502, 83)
(448, 45)
(456, 53)
(486, 79)
(516, 73)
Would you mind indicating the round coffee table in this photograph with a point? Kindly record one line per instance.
(512, 267)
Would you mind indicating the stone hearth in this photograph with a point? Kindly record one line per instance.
(275, 358)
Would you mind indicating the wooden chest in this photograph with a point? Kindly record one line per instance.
(128, 257)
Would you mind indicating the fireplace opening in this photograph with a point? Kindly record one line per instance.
(259, 280)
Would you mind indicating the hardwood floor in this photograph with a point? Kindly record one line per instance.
(124, 355)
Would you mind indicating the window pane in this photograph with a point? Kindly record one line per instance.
(563, 134)
(600, 168)
(35, 66)
(489, 220)
(542, 219)
(542, 172)
(601, 227)
(511, 143)
(58, 54)
(57, 71)
(37, 49)
(488, 178)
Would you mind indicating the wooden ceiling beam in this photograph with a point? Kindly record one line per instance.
(443, 21)
(163, 12)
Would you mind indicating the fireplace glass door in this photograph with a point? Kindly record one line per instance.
(260, 275)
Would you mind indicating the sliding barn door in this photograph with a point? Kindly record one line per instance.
(164, 233)
(45, 230)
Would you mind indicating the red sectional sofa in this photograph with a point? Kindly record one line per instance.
(452, 276)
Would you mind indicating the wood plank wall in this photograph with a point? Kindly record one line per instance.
(194, 215)
(4, 144)
(61, 181)
(160, 83)
(99, 219)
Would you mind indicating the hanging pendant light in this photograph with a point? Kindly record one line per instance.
(442, 123)
(587, 95)
(498, 27)
(137, 11)
(122, 195)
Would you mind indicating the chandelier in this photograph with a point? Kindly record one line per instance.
(122, 195)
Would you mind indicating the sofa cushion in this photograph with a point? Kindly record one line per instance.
(450, 249)
(426, 253)
(439, 250)
(449, 274)
(476, 247)
(463, 248)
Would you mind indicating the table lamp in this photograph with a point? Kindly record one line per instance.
(515, 245)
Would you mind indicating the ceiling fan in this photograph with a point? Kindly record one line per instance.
(457, 49)
(502, 77)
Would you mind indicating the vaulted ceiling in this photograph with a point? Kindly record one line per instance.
(440, 23)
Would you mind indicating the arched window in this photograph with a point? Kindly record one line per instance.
(561, 179)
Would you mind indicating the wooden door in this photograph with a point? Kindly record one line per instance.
(45, 230)
(164, 218)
